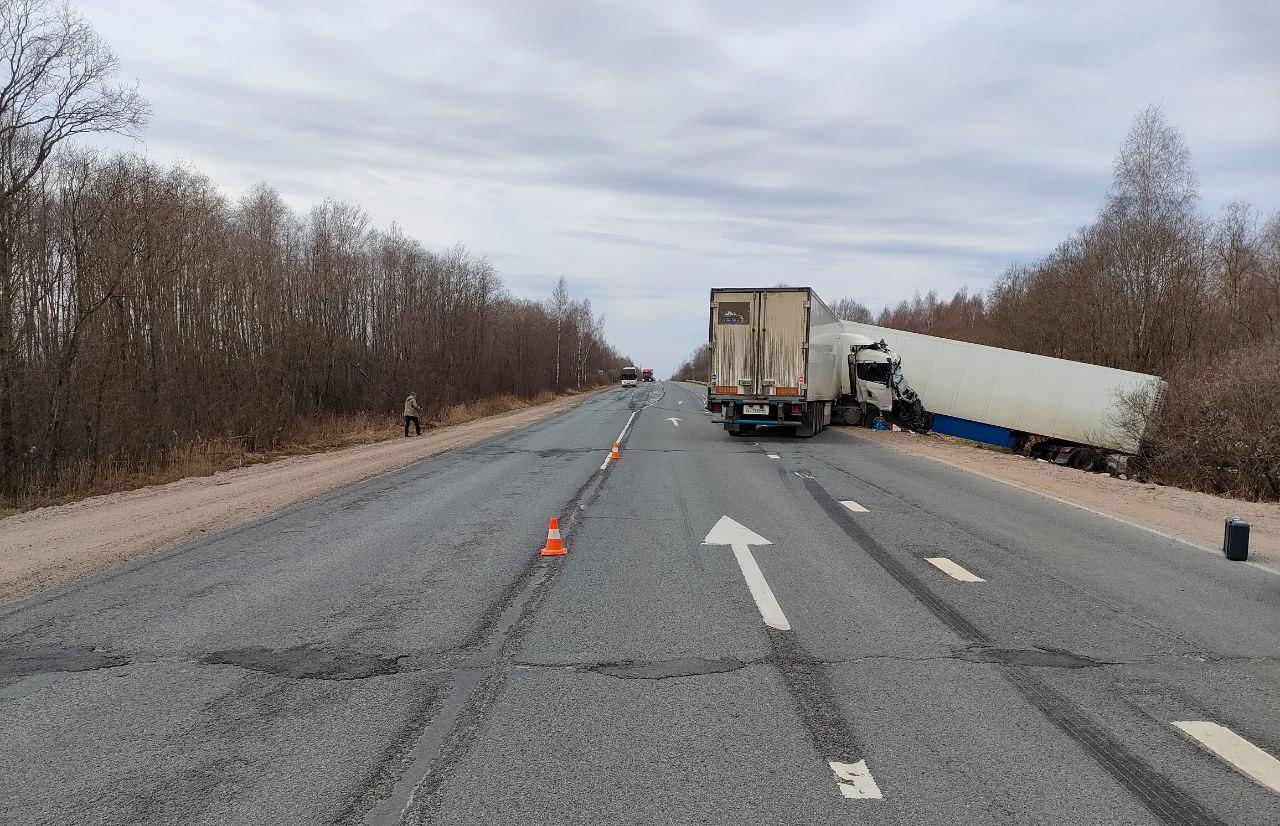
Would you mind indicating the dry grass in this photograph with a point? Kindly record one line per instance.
(209, 456)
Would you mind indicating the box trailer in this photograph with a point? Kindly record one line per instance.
(1010, 398)
(781, 358)
(771, 359)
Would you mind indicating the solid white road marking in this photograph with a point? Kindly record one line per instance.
(854, 506)
(1236, 750)
(627, 427)
(855, 780)
(952, 569)
(773, 456)
(621, 436)
(728, 532)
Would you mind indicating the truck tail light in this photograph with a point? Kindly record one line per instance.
(714, 407)
(797, 409)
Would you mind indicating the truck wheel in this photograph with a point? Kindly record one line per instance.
(809, 423)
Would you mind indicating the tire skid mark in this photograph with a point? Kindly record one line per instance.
(449, 733)
(1168, 803)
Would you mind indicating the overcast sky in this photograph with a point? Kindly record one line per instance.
(650, 151)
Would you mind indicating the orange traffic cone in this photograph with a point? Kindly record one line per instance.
(555, 547)
(614, 454)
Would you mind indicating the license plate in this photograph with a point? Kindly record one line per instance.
(755, 410)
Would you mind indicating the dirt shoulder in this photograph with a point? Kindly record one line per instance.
(1194, 518)
(50, 546)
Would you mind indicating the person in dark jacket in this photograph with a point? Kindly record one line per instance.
(411, 415)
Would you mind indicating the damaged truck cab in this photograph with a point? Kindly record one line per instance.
(874, 386)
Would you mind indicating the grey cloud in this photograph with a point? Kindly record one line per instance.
(649, 151)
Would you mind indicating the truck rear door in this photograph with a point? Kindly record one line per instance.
(758, 341)
(783, 339)
(733, 337)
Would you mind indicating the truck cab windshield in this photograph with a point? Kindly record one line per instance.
(879, 372)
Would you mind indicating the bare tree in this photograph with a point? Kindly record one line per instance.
(560, 308)
(850, 309)
(58, 83)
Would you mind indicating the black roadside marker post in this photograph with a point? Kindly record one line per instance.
(1235, 539)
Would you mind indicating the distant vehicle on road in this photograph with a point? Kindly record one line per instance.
(646, 374)
(630, 376)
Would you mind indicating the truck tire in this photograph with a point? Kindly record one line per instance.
(809, 422)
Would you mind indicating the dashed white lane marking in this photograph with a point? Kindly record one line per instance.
(1185, 540)
(1234, 749)
(773, 456)
(854, 506)
(952, 569)
(855, 780)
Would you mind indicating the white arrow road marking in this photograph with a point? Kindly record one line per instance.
(674, 421)
(854, 506)
(680, 401)
(952, 569)
(855, 780)
(1239, 752)
(740, 538)
(773, 456)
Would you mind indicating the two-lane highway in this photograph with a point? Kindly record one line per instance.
(770, 631)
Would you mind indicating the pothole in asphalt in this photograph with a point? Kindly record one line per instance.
(664, 669)
(1038, 657)
(307, 663)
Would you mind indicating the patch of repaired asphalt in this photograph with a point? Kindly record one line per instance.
(23, 662)
(307, 662)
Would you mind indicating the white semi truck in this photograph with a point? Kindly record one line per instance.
(780, 357)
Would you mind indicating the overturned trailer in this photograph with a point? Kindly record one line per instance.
(1068, 411)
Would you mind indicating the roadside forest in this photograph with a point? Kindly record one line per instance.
(145, 317)
(1151, 285)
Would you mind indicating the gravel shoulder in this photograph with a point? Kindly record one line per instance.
(51, 546)
(1191, 517)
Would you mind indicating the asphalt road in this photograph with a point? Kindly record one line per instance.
(398, 652)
